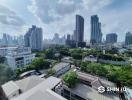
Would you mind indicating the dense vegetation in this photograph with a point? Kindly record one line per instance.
(2, 59)
(110, 57)
(51, 72)
(70, 79)
(128, 53)
(6, 73)
(37, 64)
(122, 74)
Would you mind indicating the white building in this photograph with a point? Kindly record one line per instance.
(19, 57)
(4, 50)
(61, 68)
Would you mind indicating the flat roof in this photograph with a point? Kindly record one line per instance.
(59, 66)
(8, 48)
(89, 93)
(9, 88)
(29, 82)
(42, 91)
(25, 73)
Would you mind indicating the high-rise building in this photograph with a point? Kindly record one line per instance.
(56, 38)
(96, 34)
(111, 38)
(79, 31)
(34, 38)
(128, 38)
(68, 37)
(7, 40)
(20, 40)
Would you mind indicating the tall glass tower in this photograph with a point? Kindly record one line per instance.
(96, 34)
(79, 31)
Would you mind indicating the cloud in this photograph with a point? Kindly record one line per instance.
(59, 15)
(51, 10)
(9, 17)
(95, 5)
(117, 22)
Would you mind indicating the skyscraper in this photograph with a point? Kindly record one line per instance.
(68, 37)
(7, 40)
(111, 38)
(96, 34)
(34, 38)
(79, 31)
(128, 38)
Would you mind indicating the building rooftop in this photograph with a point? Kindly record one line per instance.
(59, 66)
(42, 91)
(29, 82)
(9, 88)
(94, 79)
(25, 73)
(12, 87)
(89, 93)
(8, 48)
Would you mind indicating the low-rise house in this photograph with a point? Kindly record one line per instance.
(43, 91)
(67, 59)
(94, 81)
(61, 68)
(90, 58)
(84, 92)
(87, 89)
(9, 90)
(13, 89)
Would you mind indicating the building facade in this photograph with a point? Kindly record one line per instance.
(79, 31)
(61, 68)
(128, 38)
(34, 38)
(19, 57)
(111, 38)
(96, 34)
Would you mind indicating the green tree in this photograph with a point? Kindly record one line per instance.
(2, 59)
(40, 63)
(51, 72)
(49, 54)
(70, 79)
(76, 56)
(6, 73)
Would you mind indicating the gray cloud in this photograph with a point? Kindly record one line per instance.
(59, 16)
(9, 17)
(52, 10)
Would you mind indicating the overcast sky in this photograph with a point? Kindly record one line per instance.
(58, 16)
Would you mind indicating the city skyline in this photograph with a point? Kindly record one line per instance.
(17, 16)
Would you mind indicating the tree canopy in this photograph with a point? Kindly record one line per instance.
(122, 74)
(70, 79)
(41, 63)
(6, 73)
